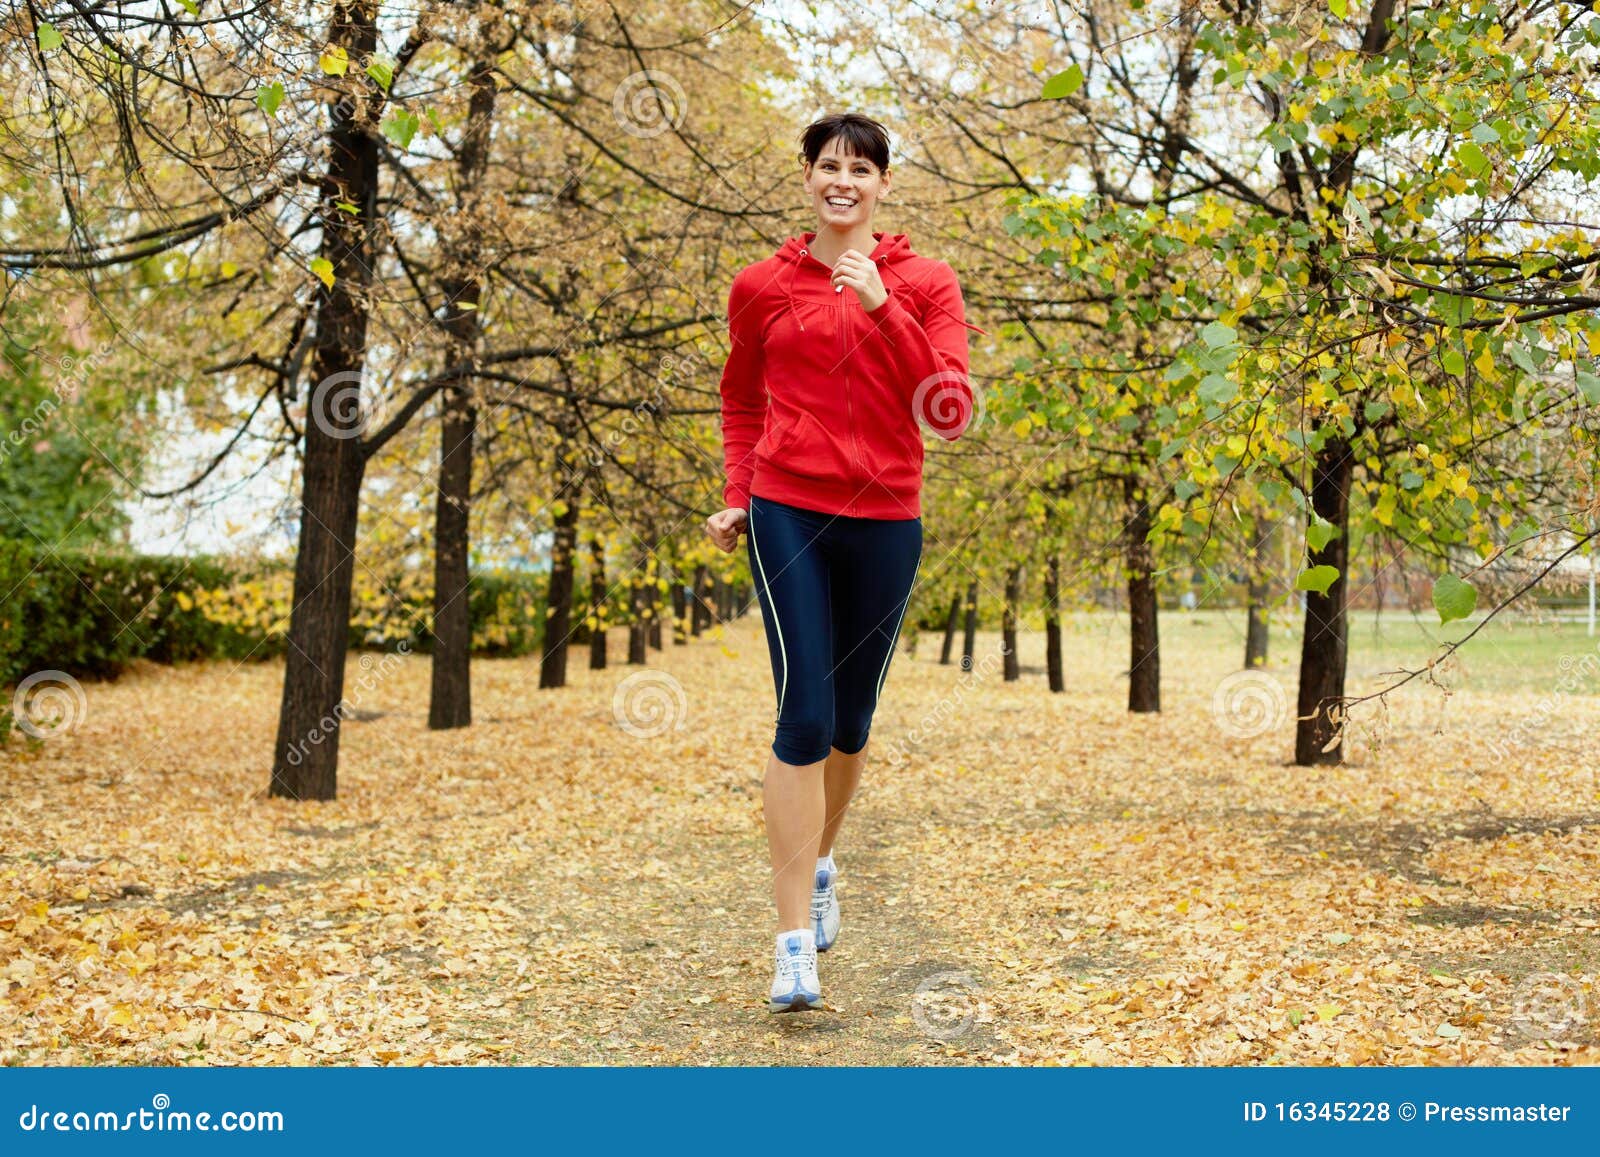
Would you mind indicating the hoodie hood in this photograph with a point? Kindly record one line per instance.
(892, 254)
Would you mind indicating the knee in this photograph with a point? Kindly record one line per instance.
(850, 741)
(850, 737)
(804, 740)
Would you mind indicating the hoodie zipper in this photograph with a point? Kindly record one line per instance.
(849, 408)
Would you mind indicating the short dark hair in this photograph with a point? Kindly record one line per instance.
(860, 135)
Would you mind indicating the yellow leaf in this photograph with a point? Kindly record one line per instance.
(323, 268)
(1329, 1011)
(335, 60)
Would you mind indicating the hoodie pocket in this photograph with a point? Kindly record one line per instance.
(802, 445)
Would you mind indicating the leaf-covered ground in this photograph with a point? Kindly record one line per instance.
(1039, 879)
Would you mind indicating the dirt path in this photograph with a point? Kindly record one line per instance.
(1025, 878)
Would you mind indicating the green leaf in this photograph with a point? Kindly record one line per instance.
(1521, 358)
(1184, 489)
(269, 97)
(1063, 84)
(381, 71)
(49, 38)
(400, 126)
(353, 210)
(335, 61)
(190, 7)
(1339, 8)
(1455, 364)
(1217, 335)
(1590, 385)
(1454, 309)
(1321, 532)
(1453, 598)
(1471, 158)
(323, 268)
(1218, 389)
(1317, 578)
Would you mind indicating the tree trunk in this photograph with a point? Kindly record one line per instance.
(1258, 588)
(450, 697)
(1323, 650)
(305, 759)
(1008, 626)
(700, 612)
(950, 629)
(1144, 664)
(450, 700)
(970, 638)
(563, 552)
(638, 621)
(597, 606)
(680, 612)
(1052, 624)
(653, 600)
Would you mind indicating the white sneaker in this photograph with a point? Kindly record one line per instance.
(795, 986)
(825, 906)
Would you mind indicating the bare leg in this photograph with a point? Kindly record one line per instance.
(794, 803)
(841, 775)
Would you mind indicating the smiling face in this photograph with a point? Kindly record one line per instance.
(844, 187)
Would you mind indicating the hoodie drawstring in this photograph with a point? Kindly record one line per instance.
(883, 267)
(794, 268)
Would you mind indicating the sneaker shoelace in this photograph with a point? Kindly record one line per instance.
(793, 965)
(822, 900)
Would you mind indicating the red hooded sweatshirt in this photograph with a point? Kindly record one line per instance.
(821, 399)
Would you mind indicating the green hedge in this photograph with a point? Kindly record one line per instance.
(90, 613)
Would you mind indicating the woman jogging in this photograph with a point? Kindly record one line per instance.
(841, 343)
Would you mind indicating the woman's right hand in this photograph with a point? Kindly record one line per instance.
(726, 526)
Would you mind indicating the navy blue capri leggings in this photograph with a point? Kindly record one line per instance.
(833, 593)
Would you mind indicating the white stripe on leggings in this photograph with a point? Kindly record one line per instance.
(772, 605)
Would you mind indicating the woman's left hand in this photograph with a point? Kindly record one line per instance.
(855, 269)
